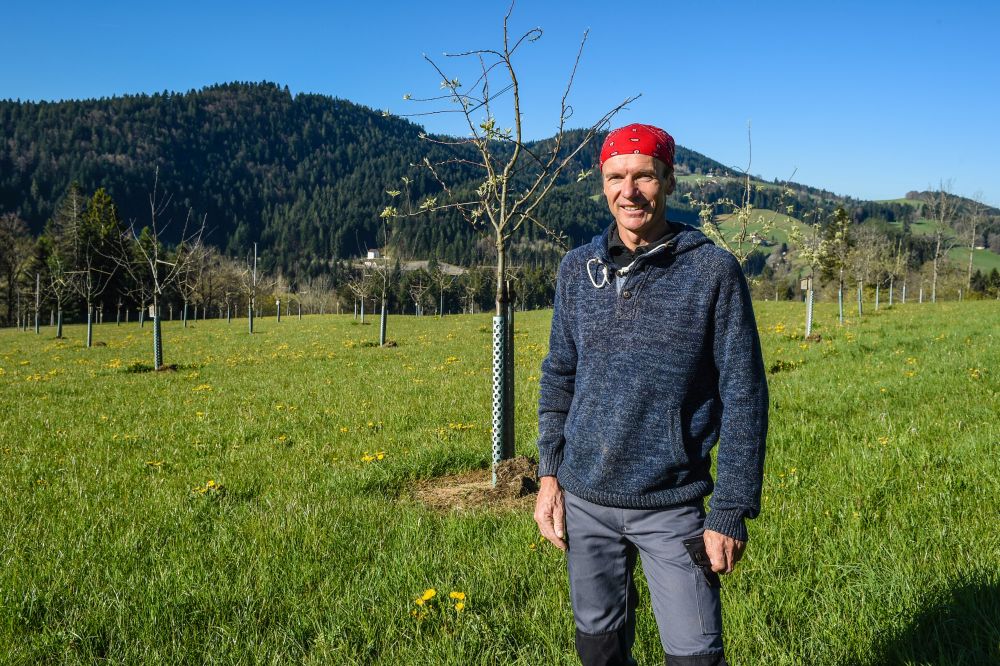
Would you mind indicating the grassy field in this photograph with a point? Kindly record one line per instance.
(915, 203)
(983, 260)
(254, 505)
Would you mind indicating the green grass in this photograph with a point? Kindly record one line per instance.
(984, 260)
(916, 203)
(925, 227)
(877, 542)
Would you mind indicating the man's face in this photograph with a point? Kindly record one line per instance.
(636, 189)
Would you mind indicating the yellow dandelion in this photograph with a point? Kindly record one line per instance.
(459, 606)
(458, 595)
(429, 594)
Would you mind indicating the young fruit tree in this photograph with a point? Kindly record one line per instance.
(145, 258)
(737, 226)
(513, 177)
(60, 244)
(94, 249)
(254, 284)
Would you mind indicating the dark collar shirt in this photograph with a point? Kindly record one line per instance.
(621, 256)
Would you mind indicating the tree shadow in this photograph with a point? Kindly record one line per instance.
(959, 626)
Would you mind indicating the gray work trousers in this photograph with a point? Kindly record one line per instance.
(604, 543)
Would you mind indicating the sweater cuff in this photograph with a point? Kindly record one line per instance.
(729, 522)
(548, 464)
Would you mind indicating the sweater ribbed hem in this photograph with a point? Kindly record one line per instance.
(657, 500)
(729, 522)
(548, 464)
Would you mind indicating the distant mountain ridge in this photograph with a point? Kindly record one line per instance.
(303, 175)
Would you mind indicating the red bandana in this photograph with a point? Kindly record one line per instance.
(639, 140)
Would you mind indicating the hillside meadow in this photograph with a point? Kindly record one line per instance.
(255, 503)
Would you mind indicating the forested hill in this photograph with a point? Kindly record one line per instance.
(304, 175)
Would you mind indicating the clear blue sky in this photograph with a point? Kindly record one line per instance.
(870, 99)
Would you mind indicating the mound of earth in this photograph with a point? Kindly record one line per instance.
(517, 483)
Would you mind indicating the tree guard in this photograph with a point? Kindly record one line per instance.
(381, 325)
(503, 384)
(157, 340)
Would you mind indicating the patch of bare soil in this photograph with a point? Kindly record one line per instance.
(517, 483)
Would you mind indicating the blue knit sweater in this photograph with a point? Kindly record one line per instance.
(648, 368)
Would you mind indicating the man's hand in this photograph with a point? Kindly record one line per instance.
(550, 514)
(723, 551)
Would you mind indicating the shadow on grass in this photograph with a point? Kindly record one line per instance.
(959, 626)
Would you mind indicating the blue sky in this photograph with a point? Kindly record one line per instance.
(869, 99)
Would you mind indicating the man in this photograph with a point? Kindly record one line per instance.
(653, 358)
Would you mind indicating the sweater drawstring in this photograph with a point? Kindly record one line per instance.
(605, 281)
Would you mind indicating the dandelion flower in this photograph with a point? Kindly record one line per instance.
(459, 606)
(429, 594)
(457, 595)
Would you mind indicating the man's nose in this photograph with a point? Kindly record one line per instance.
(629, 189)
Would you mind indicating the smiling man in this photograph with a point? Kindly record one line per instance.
(653, 359)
